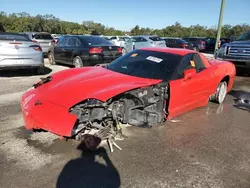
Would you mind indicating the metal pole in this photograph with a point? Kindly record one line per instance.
(219, 25)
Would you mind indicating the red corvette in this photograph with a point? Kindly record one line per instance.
(142, 88)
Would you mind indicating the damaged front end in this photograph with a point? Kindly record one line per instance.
(98, 120)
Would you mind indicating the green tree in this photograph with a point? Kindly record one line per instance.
(22, 21)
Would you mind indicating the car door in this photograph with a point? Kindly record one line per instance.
(167, 43)
(186, 95)
(59, 49)
(71, 46)
(141, 43)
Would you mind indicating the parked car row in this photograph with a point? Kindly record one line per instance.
(178, 43)
(194, 43)
(85, 50)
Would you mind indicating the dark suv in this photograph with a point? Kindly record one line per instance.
(237, 51)
(210, 43)
(199, 43)
(83, 50)
(177, 43)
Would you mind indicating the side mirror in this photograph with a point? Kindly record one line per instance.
(188, 74)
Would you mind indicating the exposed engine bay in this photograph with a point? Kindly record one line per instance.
(97, 120)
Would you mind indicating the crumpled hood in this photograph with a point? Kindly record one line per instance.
(72, 86)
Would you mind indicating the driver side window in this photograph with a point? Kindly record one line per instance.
(62, 41)
(185, 65)
(190, 61)
(199, 65)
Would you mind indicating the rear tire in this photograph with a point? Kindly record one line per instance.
(77, 62)
(220, 94)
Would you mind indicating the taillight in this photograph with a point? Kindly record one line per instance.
(119, 50)
(36, 47)
(15, 43)
(53, 42)
(97, 50)
(34, 41)
(184, 45)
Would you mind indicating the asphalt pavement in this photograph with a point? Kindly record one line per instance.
(205, 148)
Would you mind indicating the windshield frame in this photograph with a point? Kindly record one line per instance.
(90, 39)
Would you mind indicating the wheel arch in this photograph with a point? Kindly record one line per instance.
(229, 80)
(75, 54)
(226, 79)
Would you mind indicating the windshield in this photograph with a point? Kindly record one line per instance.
(94, 40)
(244, 36)
(147, 64)
(14, 37)
(42, 36)
(182, 41)
(126, 38)
(155, 38)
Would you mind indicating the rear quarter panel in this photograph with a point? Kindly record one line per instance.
(222, 69)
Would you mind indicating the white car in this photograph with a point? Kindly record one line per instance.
(119, 40)
(143, 41)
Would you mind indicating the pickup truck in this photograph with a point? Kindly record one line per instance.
(237, 52)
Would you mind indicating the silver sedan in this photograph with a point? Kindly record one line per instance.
(17, 51)
(143, 41)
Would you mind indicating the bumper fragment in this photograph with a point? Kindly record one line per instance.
(39, 114)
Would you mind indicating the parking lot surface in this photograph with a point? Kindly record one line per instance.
(208, 147)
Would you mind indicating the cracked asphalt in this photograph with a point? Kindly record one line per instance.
(205, 148)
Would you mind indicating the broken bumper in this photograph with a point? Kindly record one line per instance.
(40, 114)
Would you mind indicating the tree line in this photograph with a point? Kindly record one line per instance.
(21, 22)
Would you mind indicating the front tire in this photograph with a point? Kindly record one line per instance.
(77, 62)
(220, 93)
(51, 59)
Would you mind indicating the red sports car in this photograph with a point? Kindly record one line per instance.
(142, 88)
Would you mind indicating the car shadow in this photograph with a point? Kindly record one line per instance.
(242, 72)
(23, 72)
(241, 99)
(208, 51)
(85, 171)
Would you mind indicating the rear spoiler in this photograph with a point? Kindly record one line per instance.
(43, 81)
(102, 65)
